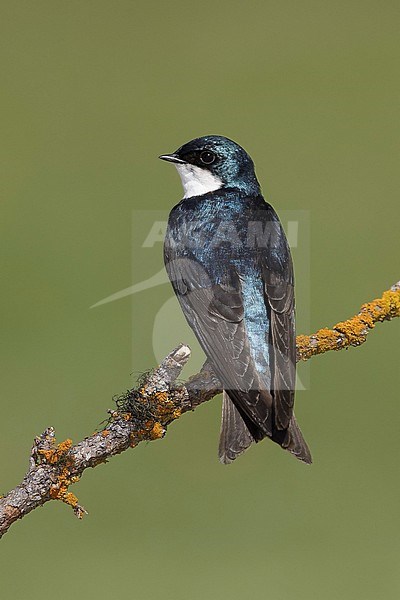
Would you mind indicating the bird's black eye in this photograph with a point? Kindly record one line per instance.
(207, 157)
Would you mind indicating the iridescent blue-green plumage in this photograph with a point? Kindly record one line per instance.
(229, 263)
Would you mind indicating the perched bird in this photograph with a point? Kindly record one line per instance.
(229, 263)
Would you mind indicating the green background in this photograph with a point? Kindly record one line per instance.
(92, 92)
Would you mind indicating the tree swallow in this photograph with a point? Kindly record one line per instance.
(229, 263)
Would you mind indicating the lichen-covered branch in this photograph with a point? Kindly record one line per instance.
(352, 332)
(145, 412)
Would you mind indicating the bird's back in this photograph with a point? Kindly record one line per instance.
(223, 251)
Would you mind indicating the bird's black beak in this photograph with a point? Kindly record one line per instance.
(172, 158)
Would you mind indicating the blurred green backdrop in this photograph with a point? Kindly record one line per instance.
(92, 92)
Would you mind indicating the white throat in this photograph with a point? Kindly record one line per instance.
(197, 181)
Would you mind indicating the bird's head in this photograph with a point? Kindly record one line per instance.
(209, 163)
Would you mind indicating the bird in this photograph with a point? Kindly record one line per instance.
(229, 262)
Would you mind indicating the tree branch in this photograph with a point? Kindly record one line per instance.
(145, 412)
(354, 331)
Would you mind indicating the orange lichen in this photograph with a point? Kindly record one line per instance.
(157, 431)
(64, 446)
(58, 457)
(59, 491)
(355, 330)
(165, 409)
(177, 413)
(71, 499)
(391, 301)
(351, 332)
(161, 396)
(105, 432)
(54, 455)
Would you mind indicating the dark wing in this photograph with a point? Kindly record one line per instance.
(277, 272)
(215, 313)
(278, 279)
(280, 299)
